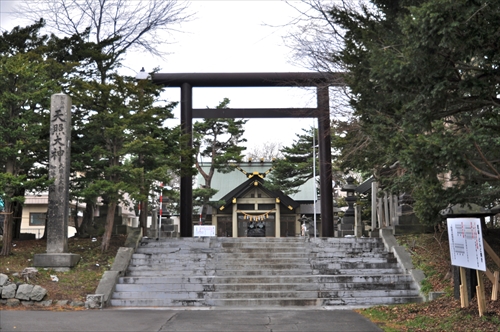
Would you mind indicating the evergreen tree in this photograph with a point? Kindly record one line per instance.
(217, 140)
(423, 86)
(113, 27)
(31, 68)
(124, 140)
(296, 166)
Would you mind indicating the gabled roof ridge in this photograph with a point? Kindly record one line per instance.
(252, 182)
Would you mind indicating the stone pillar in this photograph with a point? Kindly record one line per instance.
(374, 205)
(59, 168)
(277, 219)
(59, 164)
(235, 220)
(358, 222)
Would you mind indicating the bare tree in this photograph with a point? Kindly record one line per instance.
(315, 41)
(267, 152)
(131, 25)
(313, 37)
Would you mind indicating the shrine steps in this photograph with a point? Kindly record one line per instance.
(271, 272)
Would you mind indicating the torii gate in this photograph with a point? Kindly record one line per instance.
(187, 81)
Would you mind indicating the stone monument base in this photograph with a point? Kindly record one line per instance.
(58, 261)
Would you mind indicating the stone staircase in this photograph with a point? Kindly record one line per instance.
(271, 272)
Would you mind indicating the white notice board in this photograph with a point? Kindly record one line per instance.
(204, 231)
(466, 243)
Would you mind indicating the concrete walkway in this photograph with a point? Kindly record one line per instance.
(186, 320)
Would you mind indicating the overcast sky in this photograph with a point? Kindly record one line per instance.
(229, 36)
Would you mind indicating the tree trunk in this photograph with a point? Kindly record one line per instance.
(108, 228)
(88, 218)
(143, 217)
(45, 230)
(8, 228)
(17, 216)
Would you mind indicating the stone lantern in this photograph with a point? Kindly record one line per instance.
(346, 227)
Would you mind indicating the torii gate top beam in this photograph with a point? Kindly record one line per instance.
(248, 79)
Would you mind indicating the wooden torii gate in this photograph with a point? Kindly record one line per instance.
(187, 81)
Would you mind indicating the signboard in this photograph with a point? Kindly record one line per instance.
(466, 243)
(204, 231)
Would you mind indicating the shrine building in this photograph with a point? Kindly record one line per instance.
(244, 207)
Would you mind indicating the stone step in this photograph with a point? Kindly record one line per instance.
(266, 269)
(265, 287)
(169, 261)
(264, 265)
(371, 301)
(271, 272)
(221, 273)
(184, 256)
(359, 245)
(257, 245)
(179, 243)
(224, 267)
(157, 303)
(154, 253)
(360, 272)
(187, 295)
(239, 251)
(145, 280)
(260, 273)
(201, 303)
(322, 279)
(162, 295)
(206, 241)
(309, 241)
(312, 286)
(340, 246)
(340, 255)
(185, 273)
(176, 251)
(289, 302)
(164, 287)
(368, 293)
(388, 259)
(348, 250)
(330, 255)
(353, 265)
(322, 241)
(317, 302)
(264, 250)
(232, 258)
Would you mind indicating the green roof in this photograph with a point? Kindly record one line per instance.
(225, 183)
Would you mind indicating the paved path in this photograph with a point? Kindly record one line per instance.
(185, 320)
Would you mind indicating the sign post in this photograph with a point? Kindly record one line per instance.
(467, 251)
(204, 231)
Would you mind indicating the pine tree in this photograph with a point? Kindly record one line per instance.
(217, 140)
(30, 75)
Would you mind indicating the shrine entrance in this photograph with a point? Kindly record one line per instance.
(322, 82)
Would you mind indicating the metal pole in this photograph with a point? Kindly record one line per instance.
(160, 209)
(314, 176)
